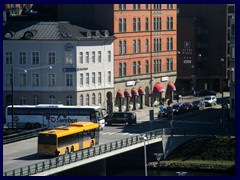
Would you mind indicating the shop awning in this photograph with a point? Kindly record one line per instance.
(158, 88)
(141, 91)
(134, 92)
(171, 87)
(119, 94)
(127, 93)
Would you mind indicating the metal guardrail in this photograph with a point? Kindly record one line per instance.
(22, 135)
(102, 149)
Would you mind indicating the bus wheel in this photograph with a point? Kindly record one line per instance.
(37, 125)
(72, 149)
(28, 126)
(66, 151)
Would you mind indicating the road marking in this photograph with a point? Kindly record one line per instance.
(193, 122)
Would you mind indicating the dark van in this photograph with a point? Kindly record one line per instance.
(127, 118)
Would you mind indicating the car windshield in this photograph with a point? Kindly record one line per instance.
(175, 106)
(207, 98)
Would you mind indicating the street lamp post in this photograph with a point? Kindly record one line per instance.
(158, 157)
(222, 63)
(12, 94)
(144, 139)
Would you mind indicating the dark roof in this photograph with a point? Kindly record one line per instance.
(61, 30)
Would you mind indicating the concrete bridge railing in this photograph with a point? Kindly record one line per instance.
(97, 150)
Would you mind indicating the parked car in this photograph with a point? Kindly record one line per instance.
(205, 93)
(187, 107)
(177, 108)
(127, 118)
(210, 100)
(198, 105)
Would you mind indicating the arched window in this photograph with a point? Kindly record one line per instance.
(93, 99)
(87, 99)
(81, 100)
(52, 99)
(99, 98)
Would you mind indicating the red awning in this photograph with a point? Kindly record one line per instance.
(119, 94)
(141, 91)
(171, 87)
(127, 93)
(158, 88)
(134, 92)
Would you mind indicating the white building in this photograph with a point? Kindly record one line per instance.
(56, 62)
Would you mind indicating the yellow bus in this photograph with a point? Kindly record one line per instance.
(67, 139)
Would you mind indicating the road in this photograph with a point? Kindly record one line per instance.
(23, 153)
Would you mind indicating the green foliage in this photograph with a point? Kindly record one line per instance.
(212, 148)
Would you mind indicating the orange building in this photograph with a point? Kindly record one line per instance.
(145, 48)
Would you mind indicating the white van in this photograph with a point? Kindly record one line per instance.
(210, 100)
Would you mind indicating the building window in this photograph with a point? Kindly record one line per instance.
(87, 57)
(109, 77)
(139, 67)
(139, 24)
(167, 23)
(171, 44)
(93, 56)
(146, 25)
(139, 46)
(35, 58)
(99, 78)
(93, 99)
(22, 57)
(81, 100)
(169, 6)
(155, 66)
(87, 99)
(119, 25)
(168, 44)
(134, 25)
(119, 47)
(119, 6)
(36, 99)
(134, 6)
(99, 56)
(52, 99)
(8, 79)
(124, 47)
(22, 100)
(93, 78)
(109, 56)
(134, 68)
(139, 6)
(124, 69)
(68, 57)
(120, 69)
(124, 25)
(146, 45)
(171, 23)
(146, 6)
(169, 64)
(81, 57)
(9, 57)
(99, 98)
(160, 65)
(157, 6)
(23, 79)
(87, 79)
(35, 79)
(134, 46)
(81, 79)
(51, 58)
(160, 44)
(147, 67)
(69, 80)
(51, 80)
(69, 100)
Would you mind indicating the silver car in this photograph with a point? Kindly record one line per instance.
(210, 100)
